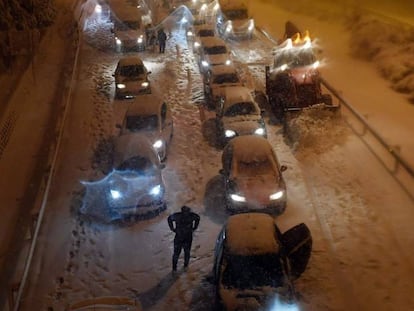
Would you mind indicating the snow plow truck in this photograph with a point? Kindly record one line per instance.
(293, 83)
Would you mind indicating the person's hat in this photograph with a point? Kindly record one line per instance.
(185, 208)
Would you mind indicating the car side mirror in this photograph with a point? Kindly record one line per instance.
(283, 168)
(297, 242)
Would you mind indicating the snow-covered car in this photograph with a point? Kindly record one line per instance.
(252, 175)
(106, 303)
(237, 114)
(197, 33)
(135, 187)
(213, 51)
(216, 80)
(233, 20)
(150, 115)
(131, 78)
(255, 264)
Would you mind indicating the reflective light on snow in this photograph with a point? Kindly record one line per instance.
(282, 306)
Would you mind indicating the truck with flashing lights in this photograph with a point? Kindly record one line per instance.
(294, 81)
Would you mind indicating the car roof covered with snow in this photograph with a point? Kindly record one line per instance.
(249, 148)
(237, 94)
(251, 234)
(131, 61)
(146, 104)
(223, 69)
(213, 41)
(106, 303)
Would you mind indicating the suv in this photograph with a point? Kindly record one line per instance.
(238, 114)
(255, 264)
(252, 174)
(213, 51)
(131, 78)
(152, 117)
(216, 80)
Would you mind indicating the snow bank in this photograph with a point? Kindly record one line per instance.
(389, 45)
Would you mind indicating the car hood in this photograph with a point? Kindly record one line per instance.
(217, 59)
(257, 189)
(217, 90)
(243, 124)
(137, 79)
(128, 34)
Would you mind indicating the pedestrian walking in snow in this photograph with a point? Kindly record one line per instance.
(162, 38)
(183, 223)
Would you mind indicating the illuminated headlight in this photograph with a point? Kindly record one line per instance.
(158, 144)
(229, 133)
(203, 7)
(115, 194)
(120, 86)
(229, 27)
(277, 195)
(228, 62)
(316, 64)
(251, 25)
(237, 198)
(118, 41)
(196, 44)
(145, 84)
(259, 131)
(189, 33)
(204, 63)
(216, 7)
(183, 20)
(283, 67)
(98, 9)
(155, 190)
(140, 40)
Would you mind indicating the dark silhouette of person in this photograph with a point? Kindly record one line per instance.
(162, 38)
(183, 223)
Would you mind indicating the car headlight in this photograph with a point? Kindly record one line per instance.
(196, 44)
(283, 67)
(158, 144)
(228, 62)
(229, 27)
(204, 63)
(259, 131)
(277, 195)
(155, 190)
(251, 25)
(145, 84)
(139, 40)
(120, 86)
(229, 133)
(118, 41)
(237, 197)
(189, 33)
(115, 194)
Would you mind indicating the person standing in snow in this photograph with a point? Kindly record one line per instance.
(162, 38)
(183, 223)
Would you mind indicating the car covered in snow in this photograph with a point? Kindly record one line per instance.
(216, 80)
(237, 114)
(135, 186)
(255, 264)
(197, 33)
(131, 78)
(151, 116)
(213, 51)
(252, 176)
(233, 20)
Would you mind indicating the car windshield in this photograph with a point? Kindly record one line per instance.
(137, 165)
(142, 123)
(206, 33)
(214, 50)
(254, 168)
(295, 58)
(226, 78)
(236, 14)
(243, 108)
(244, 272)
(131, 71)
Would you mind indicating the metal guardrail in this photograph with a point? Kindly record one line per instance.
(399, 162)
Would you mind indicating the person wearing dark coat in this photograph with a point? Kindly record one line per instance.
(183, 223)
(162, 38)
